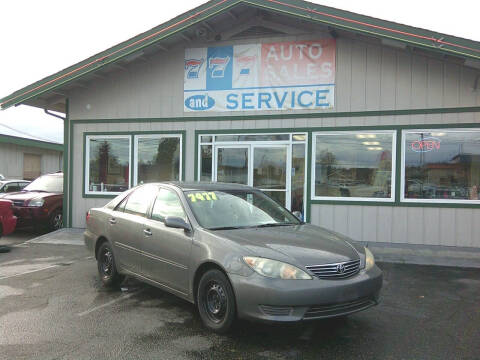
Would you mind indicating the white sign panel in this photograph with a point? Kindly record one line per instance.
(275, 76)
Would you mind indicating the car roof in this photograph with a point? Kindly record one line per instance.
(202, 185)
(12, 180)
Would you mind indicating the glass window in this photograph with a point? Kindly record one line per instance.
(279, 137)
(139, 201)
(227, 209)
(298, 177)
(232, 165)
(205, 163)
(206, 139)
(354, 165)
(441, 165)
(47, 183)
(158, 159)
(108, 160)
(166, 204)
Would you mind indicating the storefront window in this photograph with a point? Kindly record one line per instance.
(441, 165)
(108, 161)
(158, 158)
(205, 163)
(354, 165)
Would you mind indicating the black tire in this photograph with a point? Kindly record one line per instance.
(107, 269)
(56, 220)
(216, 301)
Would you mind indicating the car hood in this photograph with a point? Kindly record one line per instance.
(27, 195)
(303, 244)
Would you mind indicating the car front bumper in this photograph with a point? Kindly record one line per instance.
(277, 300)
(31, 216)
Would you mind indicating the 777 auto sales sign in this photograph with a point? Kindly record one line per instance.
(291, 75)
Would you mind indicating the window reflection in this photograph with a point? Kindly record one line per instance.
(158, 159)
(442, 164)
(109, 163)
(353, 165)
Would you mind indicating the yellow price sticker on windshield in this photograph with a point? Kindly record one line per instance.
(202, 196)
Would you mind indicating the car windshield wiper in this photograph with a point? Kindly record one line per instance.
(273, 224)
(227, 228)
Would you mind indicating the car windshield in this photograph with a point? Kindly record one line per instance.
(235, 209)
(47, 183)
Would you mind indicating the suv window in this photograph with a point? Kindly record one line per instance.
(21, 185)
(139, 201)
(166, 204)
(11, 187)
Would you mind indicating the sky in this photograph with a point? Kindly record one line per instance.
(40, 38)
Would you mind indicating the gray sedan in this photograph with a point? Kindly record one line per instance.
(232, 251)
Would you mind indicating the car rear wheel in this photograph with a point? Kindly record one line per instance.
(216, 301)
(106, 266)
(56, 220)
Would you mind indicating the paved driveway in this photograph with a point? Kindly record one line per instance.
(53, 306)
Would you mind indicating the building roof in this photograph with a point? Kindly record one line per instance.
(334, 19)
(11, 136)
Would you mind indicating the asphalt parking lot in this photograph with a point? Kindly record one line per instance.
(52, 306)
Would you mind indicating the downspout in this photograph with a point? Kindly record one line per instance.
(65, 163)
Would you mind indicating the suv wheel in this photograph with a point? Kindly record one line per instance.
(56, 220)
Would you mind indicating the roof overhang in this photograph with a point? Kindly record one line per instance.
(7, 139)
(51, 92)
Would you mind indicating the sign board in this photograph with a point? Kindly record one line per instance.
(294, 75)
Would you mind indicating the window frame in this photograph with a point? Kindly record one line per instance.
(404, 200)
(86, 188)
(340, 199)
(159, 135)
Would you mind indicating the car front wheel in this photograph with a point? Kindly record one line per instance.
(106, 266)
(216, 301)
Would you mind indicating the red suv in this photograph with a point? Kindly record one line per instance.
(39, 204)
(7, 219)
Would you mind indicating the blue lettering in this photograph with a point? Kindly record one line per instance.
(248, 100)
(280, 102)
(293, 100)
(264, 98)
(319, 97)
(232, 101)
(300, 98)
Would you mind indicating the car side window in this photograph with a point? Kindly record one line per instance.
(166, 204)
(21, 185)
(11, 187)
(139, 201)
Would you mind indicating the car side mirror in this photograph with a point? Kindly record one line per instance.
(177, 223)
(298, 215)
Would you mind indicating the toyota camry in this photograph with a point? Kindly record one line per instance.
(232, 251)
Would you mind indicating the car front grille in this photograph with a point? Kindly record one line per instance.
(335, 271)
(324, 311)
(18, 202)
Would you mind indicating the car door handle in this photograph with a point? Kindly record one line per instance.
(112, 221)
(147, 232)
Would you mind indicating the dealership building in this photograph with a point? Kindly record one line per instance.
(367, 127)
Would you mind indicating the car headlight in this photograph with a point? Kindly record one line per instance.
(275, 269)
(36, 202)
(369, 259)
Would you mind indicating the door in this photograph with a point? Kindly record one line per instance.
(166, 250)
(232, 164)
(126, 225)
(32, 166)
(269, 171)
